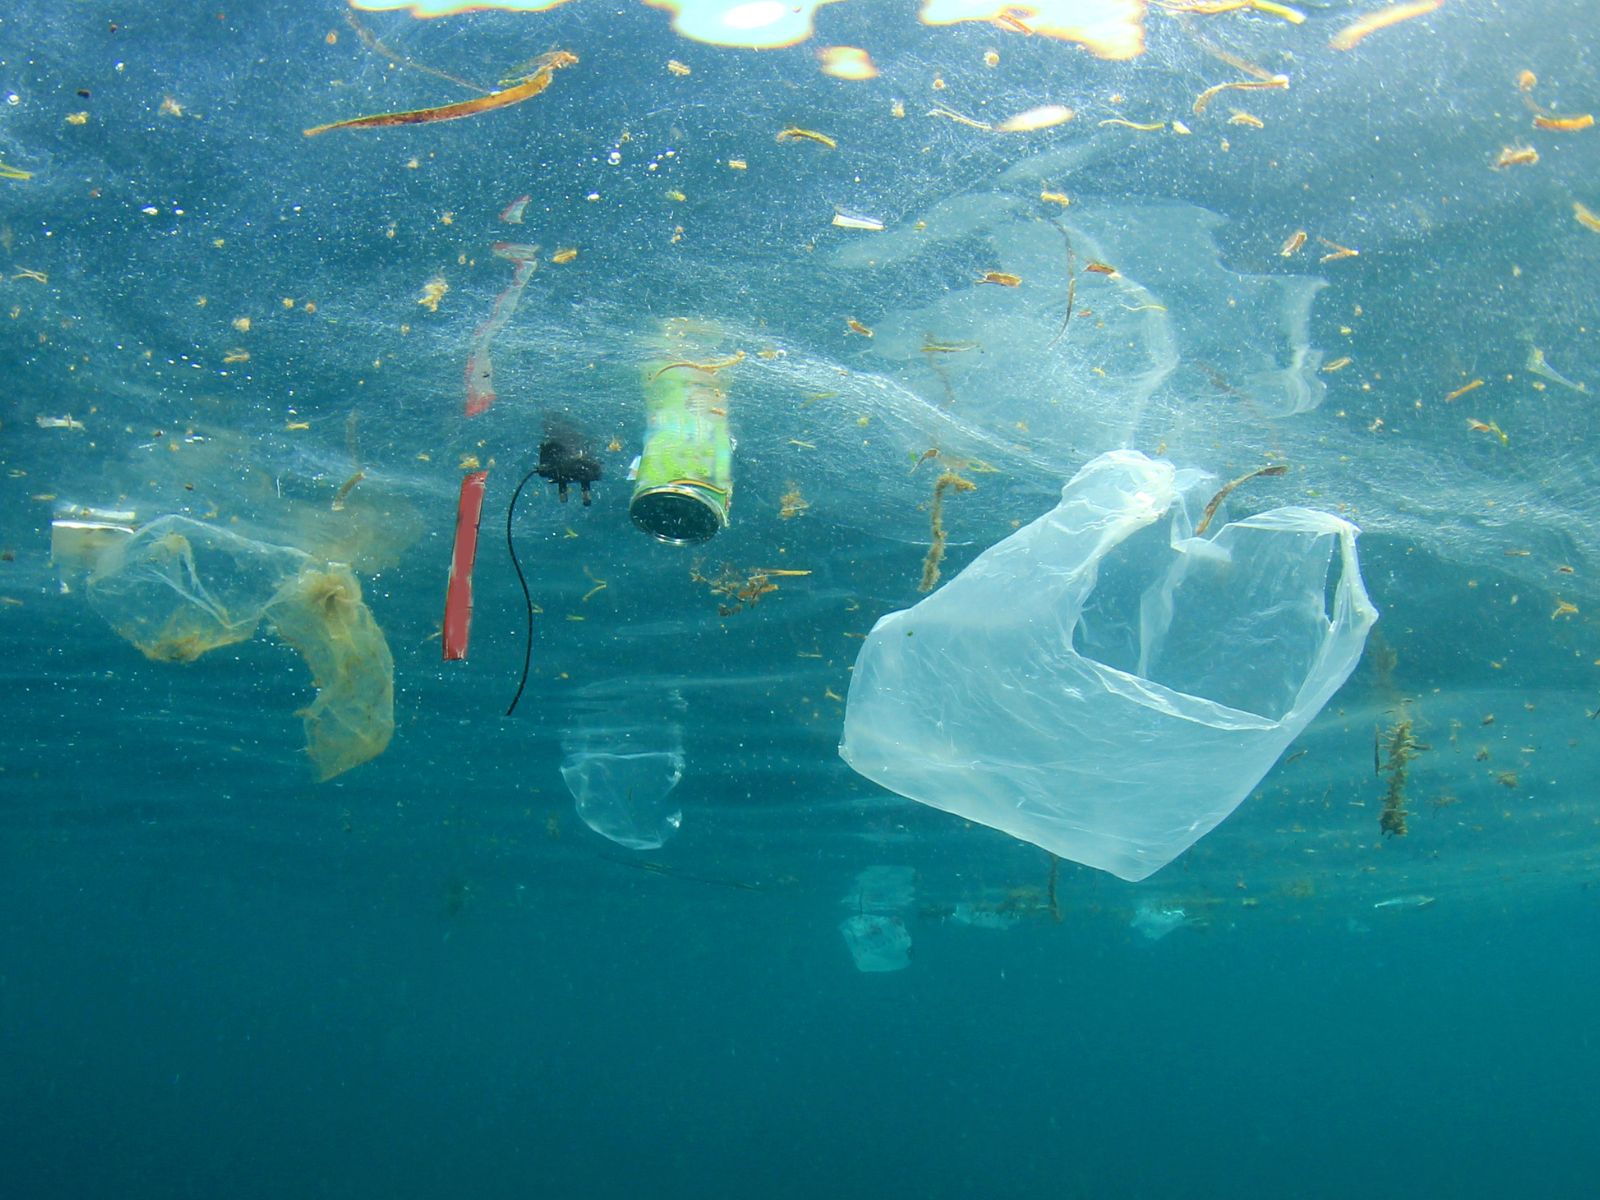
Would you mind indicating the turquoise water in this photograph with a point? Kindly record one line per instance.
(436, 972)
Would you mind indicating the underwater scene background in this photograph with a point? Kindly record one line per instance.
(289, 905)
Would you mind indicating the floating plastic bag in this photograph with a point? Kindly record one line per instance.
(177, 588)
(1105, 684)
(621, 771)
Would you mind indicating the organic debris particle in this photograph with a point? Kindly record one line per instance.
(432, 292)
(847, 62)
(1205, 97)
(1515, 156)
(1564, 124)
(1042, 117)
(795, 134)
(1347, 37)
(1336, 251)
(845, 219)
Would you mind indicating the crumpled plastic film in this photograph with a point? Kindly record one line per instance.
(1104, 686)
(322, 615)
(178, 588)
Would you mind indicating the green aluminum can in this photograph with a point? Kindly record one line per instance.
(684, 481)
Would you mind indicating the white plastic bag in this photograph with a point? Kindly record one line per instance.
(1104, 684)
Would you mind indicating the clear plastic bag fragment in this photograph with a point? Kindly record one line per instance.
(177, 588)
(1103, 683)
(621, 773)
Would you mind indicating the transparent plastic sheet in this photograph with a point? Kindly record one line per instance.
(1102, 686)
(621, 770)
(179, 588)
(876, 934)
(877, 942)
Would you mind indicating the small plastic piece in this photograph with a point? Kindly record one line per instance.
(1104, 684)
(621, 771)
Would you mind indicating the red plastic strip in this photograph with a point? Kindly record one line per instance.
(458, 596)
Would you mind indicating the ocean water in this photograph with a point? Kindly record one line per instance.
(291, 906)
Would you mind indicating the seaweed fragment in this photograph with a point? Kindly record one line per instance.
(930, 565)
(1398, 750)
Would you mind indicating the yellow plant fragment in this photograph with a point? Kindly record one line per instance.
(432, 292)
(847, 62)
(1477, 426)
(1564, 124)
(795, 134)
(1205, 97)
(564, 256)
(1043, 117)
(1515, 156)
(1347, 37)
(1336, 251)
(1585, 216)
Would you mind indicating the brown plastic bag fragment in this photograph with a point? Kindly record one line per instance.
(321, 614)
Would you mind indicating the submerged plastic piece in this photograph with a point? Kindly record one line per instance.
(480, 363)
(877, 934)
(877, 942)
(1102, 683)
(178, 588)
(1155, 921)
(621, 775)
(463, 555)
(322, 615)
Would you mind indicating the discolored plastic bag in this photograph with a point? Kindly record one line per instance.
(177, 588)
(1103, 683)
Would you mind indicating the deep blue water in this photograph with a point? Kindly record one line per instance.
(431, 975)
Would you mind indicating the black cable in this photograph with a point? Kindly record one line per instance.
(527, 596)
